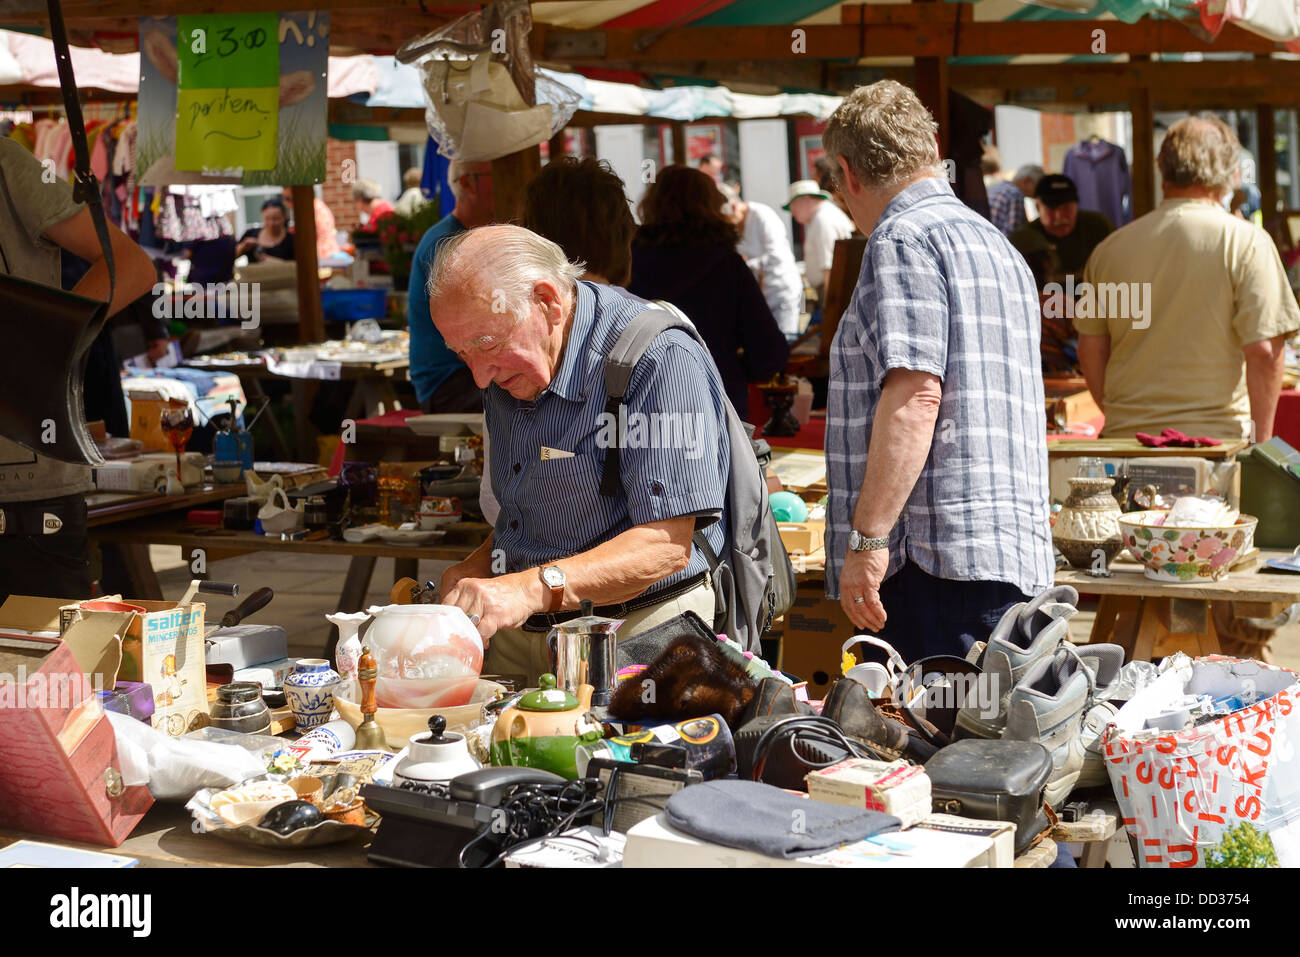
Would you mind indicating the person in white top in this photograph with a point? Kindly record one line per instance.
(765, 246)
(824, 224)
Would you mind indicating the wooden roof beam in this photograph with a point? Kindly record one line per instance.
(890, 37)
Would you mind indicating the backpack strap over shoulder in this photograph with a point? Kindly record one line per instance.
(632, 344)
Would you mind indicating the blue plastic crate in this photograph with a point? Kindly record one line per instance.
(349, 305)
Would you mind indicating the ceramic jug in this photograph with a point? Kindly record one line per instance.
(436, 756)
(347, 652)
(310, 689)
(1087, 527)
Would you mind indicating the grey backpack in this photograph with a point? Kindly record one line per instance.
(753, 580)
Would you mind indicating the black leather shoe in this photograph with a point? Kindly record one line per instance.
(850, 706)
(774, 697)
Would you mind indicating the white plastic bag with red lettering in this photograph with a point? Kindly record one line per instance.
(1179, 791)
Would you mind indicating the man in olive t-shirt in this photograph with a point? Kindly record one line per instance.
(1209, 355)
(1062, 227)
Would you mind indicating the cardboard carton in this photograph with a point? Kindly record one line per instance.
(812, 633)
(162, 648)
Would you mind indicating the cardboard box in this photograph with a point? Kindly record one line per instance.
(812, 633)
(247, 645)
(148, 473)
(61, 773)
(655, 843)
(162, 648)
(802, 537)
(891, 787)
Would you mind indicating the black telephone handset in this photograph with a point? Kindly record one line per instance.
(488, 785)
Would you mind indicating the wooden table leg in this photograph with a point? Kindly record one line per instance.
(279, 446)
(406, 568)
(128, 571)
(353, 596)
(1149, 630)
(1116, 615)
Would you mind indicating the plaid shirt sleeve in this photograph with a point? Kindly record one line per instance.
(911, 329)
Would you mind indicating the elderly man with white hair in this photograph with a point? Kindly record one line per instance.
(511, 307)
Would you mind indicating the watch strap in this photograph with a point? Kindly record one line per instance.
(866, 544)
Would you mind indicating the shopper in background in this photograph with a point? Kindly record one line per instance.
(685, 253)
(711, 165)
(412, 197)
(442, 383)
(824, 225)
(1060, 241)
(371, 205)
(601, 238)
(41, 219)
(1218, 314)
(271, 240)
(1006, 201)
(1026, 179)
(327, 240)
(765, 246)
(936, 450)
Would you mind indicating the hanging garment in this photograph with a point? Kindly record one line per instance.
(1100, 173)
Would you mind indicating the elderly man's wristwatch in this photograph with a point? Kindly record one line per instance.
(553, 578)
(860, 543)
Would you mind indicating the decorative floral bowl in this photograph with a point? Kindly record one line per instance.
(1185, 554)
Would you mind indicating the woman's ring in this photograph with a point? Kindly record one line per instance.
(858, 601)
(473, 619)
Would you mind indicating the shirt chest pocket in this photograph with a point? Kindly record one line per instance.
(562, 502)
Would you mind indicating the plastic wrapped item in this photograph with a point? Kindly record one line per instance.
(1181, 791)
(175, 768)
(1199, 511)
(477, 97)
(1135, 676)
(429, 656)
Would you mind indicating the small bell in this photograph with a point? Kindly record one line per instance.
(370, 736)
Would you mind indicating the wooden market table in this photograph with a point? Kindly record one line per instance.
(165, 838)
(134, 536)
(1147, 617)
(372, 393)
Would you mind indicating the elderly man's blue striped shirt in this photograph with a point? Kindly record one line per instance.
(942, 291)
(675, 461)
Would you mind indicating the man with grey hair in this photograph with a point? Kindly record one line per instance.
(1207, 355)
(442, 383)
(535, 337)
(935, 439)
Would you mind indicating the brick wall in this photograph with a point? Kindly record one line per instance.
(336, 193)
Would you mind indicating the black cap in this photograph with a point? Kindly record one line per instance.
(1056, 190)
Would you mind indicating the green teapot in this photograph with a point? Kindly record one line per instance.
(543, 729)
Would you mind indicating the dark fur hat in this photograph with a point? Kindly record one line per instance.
(689, 679)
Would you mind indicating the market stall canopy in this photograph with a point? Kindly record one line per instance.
(27, 60)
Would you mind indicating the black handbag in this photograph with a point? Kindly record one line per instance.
(49, 332)
(993, 781)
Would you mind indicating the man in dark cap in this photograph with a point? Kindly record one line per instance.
(1059, 242)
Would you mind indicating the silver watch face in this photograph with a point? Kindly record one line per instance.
(553, 576)
(855, 540)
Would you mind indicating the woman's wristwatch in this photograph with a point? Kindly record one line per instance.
(860, 543)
